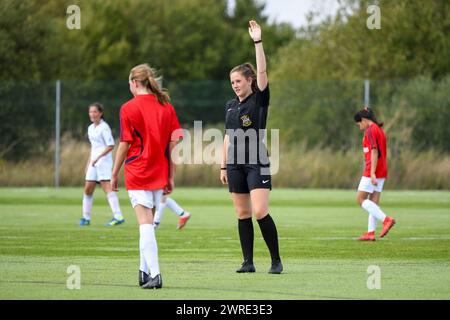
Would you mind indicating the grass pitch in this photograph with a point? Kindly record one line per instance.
(40, 238)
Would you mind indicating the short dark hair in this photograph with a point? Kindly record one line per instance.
(366, 113)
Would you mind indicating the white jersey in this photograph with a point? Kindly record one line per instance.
(100, 137)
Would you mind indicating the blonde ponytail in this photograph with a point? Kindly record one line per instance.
(155, 87)
(146, 76)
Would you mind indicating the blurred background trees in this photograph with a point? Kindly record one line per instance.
(316, 72)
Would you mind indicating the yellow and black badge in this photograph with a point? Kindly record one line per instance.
(246, 121)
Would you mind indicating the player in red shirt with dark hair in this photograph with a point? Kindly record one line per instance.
(375, 173)
(148, 125)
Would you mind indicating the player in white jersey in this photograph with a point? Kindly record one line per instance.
(173, 205)
(99, 166)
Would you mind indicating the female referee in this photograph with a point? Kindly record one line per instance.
(245, 163)
(375, 173)
(99, 166)
(148, 125)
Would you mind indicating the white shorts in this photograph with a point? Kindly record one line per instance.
(100, 172)
(366, 185)
(146, 198)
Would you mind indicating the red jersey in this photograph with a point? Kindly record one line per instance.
(147, 126)
(374, 138)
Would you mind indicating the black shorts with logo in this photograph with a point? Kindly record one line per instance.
(242, 178)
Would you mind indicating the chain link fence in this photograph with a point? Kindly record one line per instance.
(314, 119)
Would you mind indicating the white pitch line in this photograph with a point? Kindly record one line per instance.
(406, 239)
(427, 238)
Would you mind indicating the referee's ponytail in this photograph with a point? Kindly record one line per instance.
(247, 70)
(367, 113)
(146, 75)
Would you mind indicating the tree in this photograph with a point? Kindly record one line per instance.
(187, 40)
(413, 41)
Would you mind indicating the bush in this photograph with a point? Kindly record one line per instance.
(300, 167)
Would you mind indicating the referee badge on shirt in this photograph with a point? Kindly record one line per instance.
(246, 120)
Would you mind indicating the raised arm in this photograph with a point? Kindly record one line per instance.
(261, 73)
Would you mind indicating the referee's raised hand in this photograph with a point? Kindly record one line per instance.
(254, 30)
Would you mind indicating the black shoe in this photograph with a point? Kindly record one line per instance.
(143, 278)
(247, 266)
(277, 267)
(153, 283)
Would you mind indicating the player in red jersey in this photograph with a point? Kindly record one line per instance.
(375, 173)
(148, 124)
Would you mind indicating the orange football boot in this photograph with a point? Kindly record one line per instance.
(368, 236)
(388, 223)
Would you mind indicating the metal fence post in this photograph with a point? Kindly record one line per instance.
(366, 92)
(57, 132)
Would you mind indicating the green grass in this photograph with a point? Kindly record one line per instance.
(40, 237)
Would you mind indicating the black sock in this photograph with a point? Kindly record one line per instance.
(246, 235)
(270, 235)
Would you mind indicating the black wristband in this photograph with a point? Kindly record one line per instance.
(223, 168)
(259, 41)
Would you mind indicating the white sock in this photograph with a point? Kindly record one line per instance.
(174, 206)
(373, 209)
(87, 206)
(142, 265)
(149, 250)
(159, 212)
(114, 204)
(372, 223)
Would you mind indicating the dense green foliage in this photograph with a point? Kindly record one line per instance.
(407, 61)
(316, 73)
(184, 39)
(194, 44)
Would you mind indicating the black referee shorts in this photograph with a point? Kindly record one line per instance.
(242, 178)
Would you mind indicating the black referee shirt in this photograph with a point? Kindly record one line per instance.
(251, 113)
